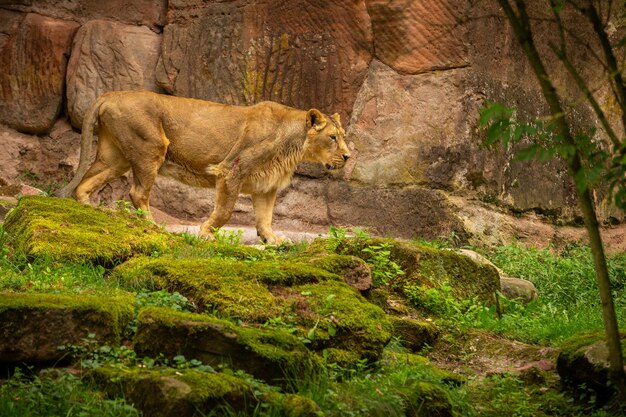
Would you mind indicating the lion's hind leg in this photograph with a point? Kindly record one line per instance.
(110, 164)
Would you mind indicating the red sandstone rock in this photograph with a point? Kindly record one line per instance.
(293, 52)
(33, 61)
(141, 12)
(418, 36)
(109, 56)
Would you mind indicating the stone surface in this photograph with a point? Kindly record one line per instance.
(512, 288)
(33, 326)
(34, 59)
(412, 129)
(43, 160)
(414, 334)
(518, 289)
(584, 361)
(169, 392)
(418, 36)
(294, 52)
(403, 212)
(109, 56)
(140, 12)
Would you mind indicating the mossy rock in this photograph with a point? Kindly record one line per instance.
(584, 362)
(188, 393)
(339, 317)
(314, 302)
(354, 270)
(414, 334)
(429, 267)
(265, 353)
(65, 230)
(6, 204)
(428, 400)
(422, 364)
(231, 287)
(33, 326)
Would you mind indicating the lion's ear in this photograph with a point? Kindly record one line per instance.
(336, 118)
(315, 119)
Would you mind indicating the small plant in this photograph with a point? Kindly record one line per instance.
(175, 301)
(384, 269)
(228, 237)
(124, 206)
(336, 237)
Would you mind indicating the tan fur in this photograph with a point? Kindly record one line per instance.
(235, 149)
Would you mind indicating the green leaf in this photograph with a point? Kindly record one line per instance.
(332, 331)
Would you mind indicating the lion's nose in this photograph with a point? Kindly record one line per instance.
(346, 156)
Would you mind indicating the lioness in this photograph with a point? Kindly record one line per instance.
(235, 149)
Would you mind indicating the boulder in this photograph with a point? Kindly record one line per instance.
(512, 288)
(294, 52)
(32, 82)
(65, 230)
(137, 12)
(414, 334)
(308, 301)
(518, 289)
(584, 362)
(428, 267)
(109, 56)
(354, 271)
(265, 353)
(33, 326)
(187, 392)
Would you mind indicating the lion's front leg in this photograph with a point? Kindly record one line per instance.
(263, 204)
(226, 193)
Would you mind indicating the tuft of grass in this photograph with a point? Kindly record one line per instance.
(55, 393)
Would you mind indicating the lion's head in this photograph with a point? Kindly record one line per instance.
(325, 140)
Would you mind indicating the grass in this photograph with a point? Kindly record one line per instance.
(54, 393)
(569, 301)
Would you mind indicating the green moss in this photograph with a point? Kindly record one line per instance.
(571, 347)
(107, 316)
(344, 358)
(163, 391)
(419, 365)
(298, 406)
(428, 266)
(166, 391)
(343, 319)
(337, 264)
(414, 334)
(62, 229)
(429, 400)
(266, 353)
(231, 287)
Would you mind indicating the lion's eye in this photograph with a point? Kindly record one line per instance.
(333, 137)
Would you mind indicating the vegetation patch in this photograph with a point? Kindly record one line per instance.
(65, 230)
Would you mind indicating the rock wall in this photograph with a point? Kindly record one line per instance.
(408, 78)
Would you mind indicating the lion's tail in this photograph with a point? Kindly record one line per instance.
(86, 140)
